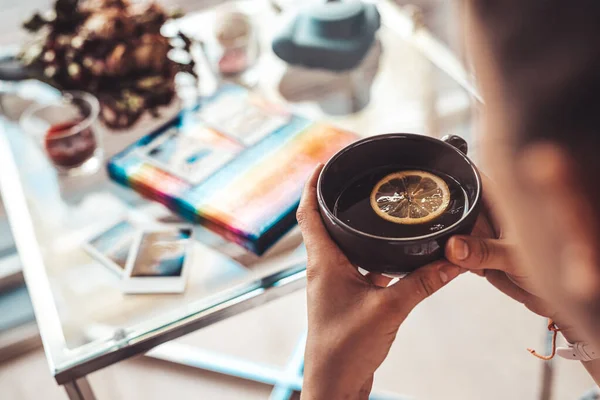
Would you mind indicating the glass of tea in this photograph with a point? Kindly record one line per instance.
(67, 131)
(392, 201)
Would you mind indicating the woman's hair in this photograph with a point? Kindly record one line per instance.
(548, 54)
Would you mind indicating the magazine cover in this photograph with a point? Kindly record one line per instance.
(237, 165)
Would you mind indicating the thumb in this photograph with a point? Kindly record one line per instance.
(420, 284)
(475, 253)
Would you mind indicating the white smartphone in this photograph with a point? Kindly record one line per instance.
(112, 245)
(159, 260)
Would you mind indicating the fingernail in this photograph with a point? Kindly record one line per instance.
(461, 251)
(449, 272)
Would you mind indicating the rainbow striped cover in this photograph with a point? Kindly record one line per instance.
(252, 198)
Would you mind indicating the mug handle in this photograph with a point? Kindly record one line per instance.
(458, 142)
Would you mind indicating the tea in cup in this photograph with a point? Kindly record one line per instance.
(392, 201)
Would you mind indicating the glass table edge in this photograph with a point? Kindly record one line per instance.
(249, 296)
(21, 226)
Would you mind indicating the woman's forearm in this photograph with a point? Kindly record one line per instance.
(322, 388)
(323, 381)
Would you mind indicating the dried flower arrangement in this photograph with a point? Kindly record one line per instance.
(113, 49)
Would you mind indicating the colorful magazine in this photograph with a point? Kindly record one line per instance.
(237, 165)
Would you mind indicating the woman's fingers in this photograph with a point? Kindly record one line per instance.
(504, 284)
(409, 291)
(316, 238)
(475, 253)
(322, 252)
(483, 227)
(308, 215)
(491, 257)
(378, 279)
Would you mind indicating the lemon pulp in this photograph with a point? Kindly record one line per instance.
(410, 197)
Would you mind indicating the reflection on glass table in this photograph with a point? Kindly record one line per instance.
(85, 319)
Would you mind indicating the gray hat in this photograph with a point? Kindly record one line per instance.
(334, 36)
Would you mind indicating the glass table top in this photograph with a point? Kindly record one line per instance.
(85, 319)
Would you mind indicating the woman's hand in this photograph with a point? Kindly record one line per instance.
(492, 258)
(487, 253)
(352, 319)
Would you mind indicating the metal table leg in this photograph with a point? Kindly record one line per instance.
(547, 370)
(79, 389)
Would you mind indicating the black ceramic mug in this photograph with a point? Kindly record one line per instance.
(389, 255)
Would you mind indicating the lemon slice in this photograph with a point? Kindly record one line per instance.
(410, 197)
